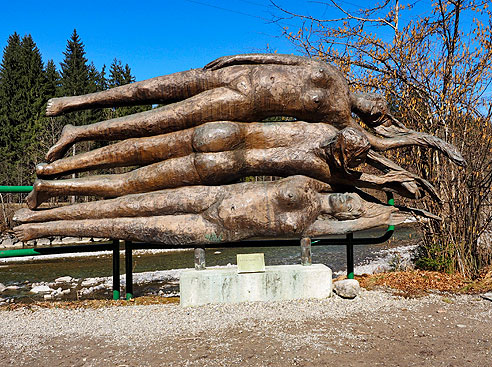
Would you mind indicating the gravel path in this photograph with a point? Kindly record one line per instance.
(374, 329)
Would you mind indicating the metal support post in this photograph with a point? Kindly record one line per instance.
(306, 251)
(199, 258)
(350, 256)
(129, 269)
(116, 269)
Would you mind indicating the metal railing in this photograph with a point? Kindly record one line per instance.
(349, 241)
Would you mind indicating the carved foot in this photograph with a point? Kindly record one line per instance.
(58, 150)
(44, 169)
(57, 106)
(23, 215)
(36, 197)
(25, 232)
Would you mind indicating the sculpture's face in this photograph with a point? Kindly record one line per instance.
(345, 206)
(349, 149)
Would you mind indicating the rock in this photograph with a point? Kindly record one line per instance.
(43, 242)
(65, 279)
(8, 242)
(41, 289)
(12, 288)
(2, 287)
(57, 240)
(96, 239)
(48, 297)
(70, 240)
(347, 288)
(90, 282)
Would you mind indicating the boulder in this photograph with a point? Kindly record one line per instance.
(347, 288)
(43, 242)
(41, 289)
(65, 279)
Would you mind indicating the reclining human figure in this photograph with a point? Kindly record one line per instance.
(294, 207)
(241, 88)
(223, 152)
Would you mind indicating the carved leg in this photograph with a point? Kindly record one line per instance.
(138, 151)
(170, 173)
(162, 89)
(187, 199)
(213, 105)
(174, 230)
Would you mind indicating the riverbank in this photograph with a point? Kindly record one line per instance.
(376, 328)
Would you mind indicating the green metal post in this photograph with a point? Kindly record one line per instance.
(391, 201)
(116, 270)
(19, 252)
(350, 256)
(14, 189)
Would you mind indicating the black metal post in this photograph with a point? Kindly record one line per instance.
(129, 269)
(350, 256)
(116, 269)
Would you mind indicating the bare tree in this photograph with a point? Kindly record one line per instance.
(436, 73)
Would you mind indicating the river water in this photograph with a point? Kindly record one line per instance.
(21, 271)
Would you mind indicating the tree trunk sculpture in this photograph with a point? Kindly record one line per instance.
(223, 152)
(295, 207)
(239, 88)
(208, 133)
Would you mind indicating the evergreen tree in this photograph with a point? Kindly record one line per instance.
(74, 68)
(120, 75)
(52, 79)
(22, 97)
(10, 79)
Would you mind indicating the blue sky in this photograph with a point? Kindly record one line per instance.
(158, 37)
(153, 37)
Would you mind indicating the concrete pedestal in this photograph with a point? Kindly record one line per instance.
(282, 282)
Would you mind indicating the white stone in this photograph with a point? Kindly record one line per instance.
(283, 282)
(96, 239)
(43, 242)
(90, 282)
(2, 287)
(65, 279)
(41, 289)
(57, 240)
(8, 242)
(70, 240)
(48, 297)
(347, 288)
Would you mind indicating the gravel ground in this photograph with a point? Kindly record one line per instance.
(376, 328)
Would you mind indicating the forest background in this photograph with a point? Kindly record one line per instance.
(435, 70)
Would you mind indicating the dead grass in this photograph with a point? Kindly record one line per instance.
(417, 283)
(93, 303)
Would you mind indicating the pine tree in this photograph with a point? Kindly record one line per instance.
(52, 79)
(22, 97)
(74, 68)
(120, 75)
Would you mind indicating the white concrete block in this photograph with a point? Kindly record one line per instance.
(282, 282)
